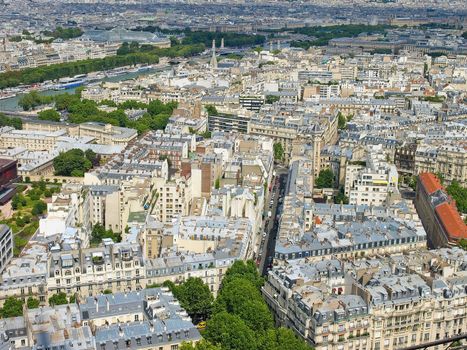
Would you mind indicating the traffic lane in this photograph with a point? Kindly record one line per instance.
(270, 224)
(271, 232)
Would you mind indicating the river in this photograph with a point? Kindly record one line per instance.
(11, 104)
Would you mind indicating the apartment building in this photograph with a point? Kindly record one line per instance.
(26, 276)
(228, 122)
(390, 302)
(87, 272)
(376, 183)
(173, 198)
(6, 246)
(314, 231)
(296, 132)
(451, 161)
(147, 319)
(251, 103)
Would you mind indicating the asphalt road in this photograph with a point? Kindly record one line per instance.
(269, 241)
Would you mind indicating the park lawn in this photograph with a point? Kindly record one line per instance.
(22, 229)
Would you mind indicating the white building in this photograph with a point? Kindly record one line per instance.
(374, 183)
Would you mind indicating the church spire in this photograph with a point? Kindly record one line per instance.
(213, 58)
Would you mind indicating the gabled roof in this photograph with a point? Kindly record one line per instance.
(430, 182)
(451, 221)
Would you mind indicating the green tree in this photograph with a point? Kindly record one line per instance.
(278, 151)
(107, 291)
(341, 197)
(64, 33)
(463, 243)
(217, 184)
(49, 114)
(145, 54)
(241, 297)
(32, 303)
(91, 156)
(16, 123)
(58, 299)
(39, 208)
(246, 270)
(195, 297)
(342, 121)
(203, 344)
(212, 110)
(282, 339)
(325, 179)
(12, 308)
(206, 134)
(99, 233)
(459, 193)
(33, 99)
(71, 163)
(230, 332)
(270, 99)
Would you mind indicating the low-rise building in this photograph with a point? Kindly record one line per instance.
(438, 213)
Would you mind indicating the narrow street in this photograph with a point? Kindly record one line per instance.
(272, 223)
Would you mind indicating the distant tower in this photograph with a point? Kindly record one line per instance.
(222, 43)
(270, 46)
(278, 44)
(213, 58)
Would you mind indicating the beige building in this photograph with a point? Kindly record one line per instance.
(392, 302)
(87, 272)
(172, 198)
(107, 134)
(451, 161)
(31, 140)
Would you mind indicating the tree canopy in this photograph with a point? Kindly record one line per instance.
(49, 114)
(12, 308)
(72, 163)
(32, 303)
(278, 151)
(212, 110)
(58, 299)
(459, 193)
(99, 233)
(270, 99)
(322, 34)
(325, 179)
(14, 122)
(81, 111)
(33, 99)
(241, 318)
(64, 33)
(195, 297)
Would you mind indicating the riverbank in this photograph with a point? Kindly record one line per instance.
(11, 104)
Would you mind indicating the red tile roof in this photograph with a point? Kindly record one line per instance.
(451, 221)
(430, 182)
